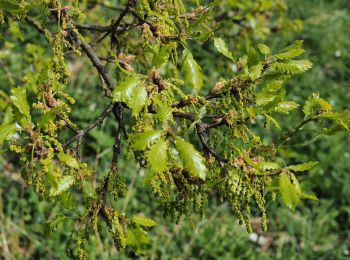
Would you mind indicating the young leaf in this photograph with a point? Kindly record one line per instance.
(264, 49)
(69, 160)
(220, 45)
(50, 226)
(138, 99)
(145, 139)
(137, 239)
(123, 90)
(6, 132)
(292, 67)
(303, 167)
(192, 70)
(272, 120)
(286, 106)
(88, 189)
(64, 184)
(164, 113)
(157, 156)
(314, 105)
(266, 166)
(253, 57)
(290, 194)
(19, 99)
(308, 196)
(255, 71)
(291, 51)
(192, 160)
(143, 221)
(163, 54)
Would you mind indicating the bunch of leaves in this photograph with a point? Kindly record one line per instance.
(162, 114)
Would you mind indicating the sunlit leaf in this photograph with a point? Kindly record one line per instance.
(303, 167)
(145, 139)
(291, 51)
(137, 239)
(137, 100)
(88, 189)
(264, 49)
(192, 70)
(290, 193)
(292, 67)
(221, 46)
(192, 160)
(69, 160)
(6, 132)
(123, 90)
(19, 99)
(143, 221)
(157, 156)
(64, 184)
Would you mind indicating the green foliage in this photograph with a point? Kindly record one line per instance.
(192, 160)
(157, 156)
(145, 139)
(192, 70)
(221, 46)
(290, 191)
(151, 111)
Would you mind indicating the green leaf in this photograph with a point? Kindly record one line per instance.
(335, 115)
(272, 120)
(292, 67)
(264, 49)
(69, 160)
(157, 156)
(64, 184)
(334, 129)
(143, 221)
(50, 226)
(164, 113)
(286, 106)
(132, 92)
(11, 6)
(192, 160)
(255, 71)
(6, 132)
(137, 239)
(67, 200)
(221, 46)
(270, 106)
(291, 51)
(201, 113)
(314, 105)
(124, 89)
(163, 54)
(138, 99)
(308, 196)
(290, 193)
(19, 99)
(46, 118)
(88, 189)
(192, 70)
(266, 166)
(149, 174)
(302, 167)
(145, 139)
(253, 58)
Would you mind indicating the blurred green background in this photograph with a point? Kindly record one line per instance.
(316, 230)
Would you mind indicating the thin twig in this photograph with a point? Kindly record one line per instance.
(201, 131)
(92, 125)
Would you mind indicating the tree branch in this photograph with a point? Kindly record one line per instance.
(99, 120)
